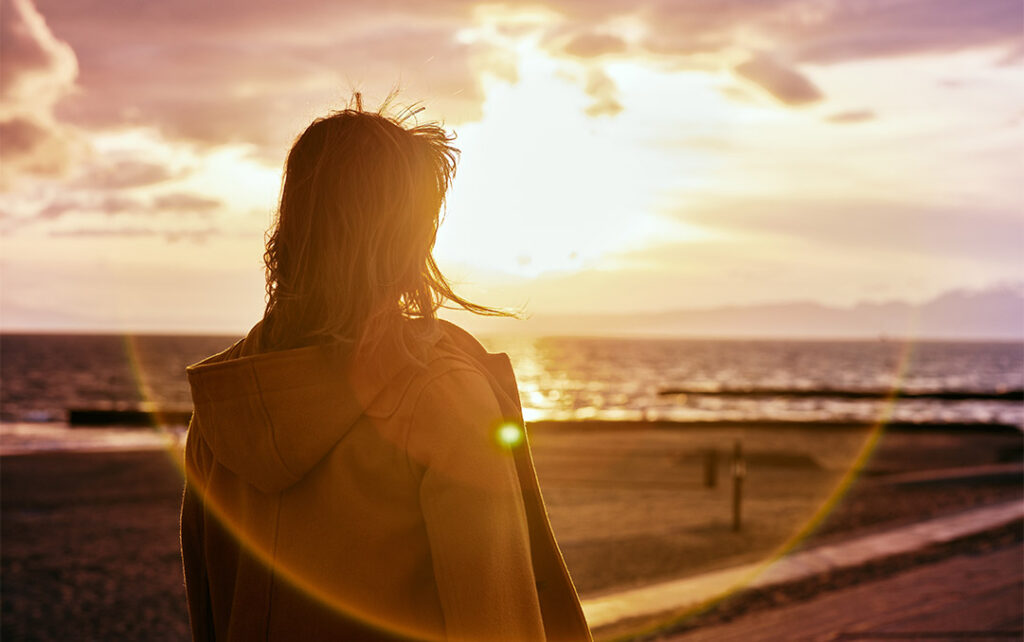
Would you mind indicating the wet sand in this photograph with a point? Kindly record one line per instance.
(90, 547)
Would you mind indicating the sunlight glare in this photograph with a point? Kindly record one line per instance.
(543, 187)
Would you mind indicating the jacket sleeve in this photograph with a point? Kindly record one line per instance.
(473, 510)
(193, 517)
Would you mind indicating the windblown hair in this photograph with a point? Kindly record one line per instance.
(350, 253)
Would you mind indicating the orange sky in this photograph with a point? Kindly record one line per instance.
(617, 156)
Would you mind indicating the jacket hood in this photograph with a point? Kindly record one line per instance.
(270, 417)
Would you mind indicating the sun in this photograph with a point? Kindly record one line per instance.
(545, 187)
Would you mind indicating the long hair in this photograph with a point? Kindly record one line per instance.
(350, 253)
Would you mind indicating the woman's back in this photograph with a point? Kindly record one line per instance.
(359, 499)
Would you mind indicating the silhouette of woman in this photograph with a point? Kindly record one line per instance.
(357, 469)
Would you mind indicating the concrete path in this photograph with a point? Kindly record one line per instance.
(988, 472)
(605, 612)
(976, 597)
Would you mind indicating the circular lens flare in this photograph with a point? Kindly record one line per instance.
(871, 440)
(509, 436)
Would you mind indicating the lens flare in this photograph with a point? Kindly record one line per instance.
(243, 533)
(509, 436)
(160, 421)
(871, 440)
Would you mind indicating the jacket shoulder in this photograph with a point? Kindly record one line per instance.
(403, 390)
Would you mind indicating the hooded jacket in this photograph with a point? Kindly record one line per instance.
(367, 498)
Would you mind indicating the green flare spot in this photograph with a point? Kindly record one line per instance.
(510, 435)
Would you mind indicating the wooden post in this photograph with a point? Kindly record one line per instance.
(710, 468)
(739, 471)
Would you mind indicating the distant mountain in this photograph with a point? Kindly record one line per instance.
(996, 313)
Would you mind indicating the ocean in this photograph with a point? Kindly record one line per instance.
(560, 378)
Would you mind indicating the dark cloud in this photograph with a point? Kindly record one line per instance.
(259, 19)
(212, 73)
(684, 27)
(861, 29)
(852, 116)
(682, 49)
(215, 72)
(787, 84)
(591, 45)
(21, 136)
(806, 31)
(30, 57)
(813, 31)
(36, 71)
(32, 146)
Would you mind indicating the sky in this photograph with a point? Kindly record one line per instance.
(617, 156)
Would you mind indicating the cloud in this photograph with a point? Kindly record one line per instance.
(36, 65)
(92, 203)
(592, 45)
(788, 85)
(123, 174)
(1014, 56)
(812, 30)
(20, 136)
(858, 30)
(194, 235)
(852, 116)
(89, 204)
(183, 202)
(36, 71)
(704, 34)
(738, 94)
(207, 74)
(602, 89)
(865, 226)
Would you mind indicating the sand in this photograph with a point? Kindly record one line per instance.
(90, 549)
(629, 506)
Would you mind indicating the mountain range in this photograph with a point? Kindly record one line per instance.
(991, 314)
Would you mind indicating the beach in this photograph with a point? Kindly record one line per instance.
(629, 507)
(90, 547)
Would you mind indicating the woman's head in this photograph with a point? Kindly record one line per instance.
(350, 252)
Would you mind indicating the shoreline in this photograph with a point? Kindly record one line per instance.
(20, 438)
(773, 424)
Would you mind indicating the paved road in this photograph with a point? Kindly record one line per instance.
(605, 614)
(967, 597)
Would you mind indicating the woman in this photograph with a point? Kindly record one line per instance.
(355, 468)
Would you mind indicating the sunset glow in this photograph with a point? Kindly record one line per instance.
(720, 336)
(646, 158)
